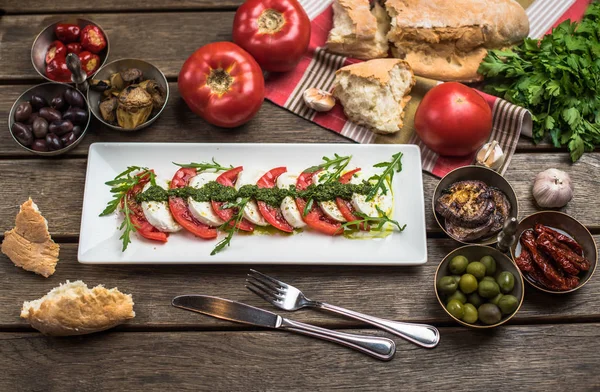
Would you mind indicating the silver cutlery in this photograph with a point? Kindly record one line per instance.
(377, 347)
(288, 297)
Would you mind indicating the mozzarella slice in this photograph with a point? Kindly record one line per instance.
(251, 211)
(202, 210)
(384, 201)
(289, 209)
(329, 207)
(157, 213)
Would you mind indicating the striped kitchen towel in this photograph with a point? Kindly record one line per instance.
(317, 69)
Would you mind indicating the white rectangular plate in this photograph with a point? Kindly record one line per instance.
(99, 238)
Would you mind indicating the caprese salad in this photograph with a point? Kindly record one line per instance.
(208, 198)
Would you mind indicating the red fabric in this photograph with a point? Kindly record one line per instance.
(575, 12)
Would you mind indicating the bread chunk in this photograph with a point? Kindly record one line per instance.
(374, 93)
(74, 309)
(29, 245)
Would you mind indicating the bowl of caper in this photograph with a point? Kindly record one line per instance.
(479, 286)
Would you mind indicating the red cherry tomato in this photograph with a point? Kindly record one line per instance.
(272, 214)
(142, 226)
(57, 70)
(315, 218)
(345, 207)
(89, 62)
(179, 207)
(56, 49)
(67, 32)
(453, 119)
(74, 47)
(275, 32)
(223, 84)
(92, 39)
(228, 178)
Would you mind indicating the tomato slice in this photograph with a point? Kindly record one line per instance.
(345, 207)
(315, 218)
(228, 178)
(272, 214)
(142, 226)
(181, 212)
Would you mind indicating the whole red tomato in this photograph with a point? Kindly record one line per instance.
(453, 119)
(223, 84)
(275, 32)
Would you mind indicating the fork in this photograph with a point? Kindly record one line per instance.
(288, 297)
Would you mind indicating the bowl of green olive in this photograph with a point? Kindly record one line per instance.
(479, 286)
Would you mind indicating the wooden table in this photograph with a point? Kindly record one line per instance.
(553, 343)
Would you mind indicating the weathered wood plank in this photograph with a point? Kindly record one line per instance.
(38, 178)
(532, 358)
(400, 293)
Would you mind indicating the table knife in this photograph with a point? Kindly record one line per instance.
(377, 347)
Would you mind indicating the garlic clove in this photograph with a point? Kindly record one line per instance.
(552, 188)
(490, 155)
(318, 100)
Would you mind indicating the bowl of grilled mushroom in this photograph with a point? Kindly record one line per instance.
(472, 203)
(128, 94)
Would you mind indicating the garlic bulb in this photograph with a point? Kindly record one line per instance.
(318, 100)
(552, 188)
(490, 155)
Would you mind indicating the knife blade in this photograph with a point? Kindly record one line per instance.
(224, 309)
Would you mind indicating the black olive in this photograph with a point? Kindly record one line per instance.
(61, 127)
(23, 112)
(50, 114)
(68, 139)
(40, 127)
(74, 98)
(32, 118)
(53, 142)
(38, 102)
(58, 102)
(76, 115)
(22, 133)
(77, 130)
(39, 145)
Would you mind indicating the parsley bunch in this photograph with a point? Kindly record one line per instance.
(557, 79)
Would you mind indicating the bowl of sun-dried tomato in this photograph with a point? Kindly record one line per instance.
(554, 252)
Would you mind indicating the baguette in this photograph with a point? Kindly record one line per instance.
(374, 93)
(358, 31)
(74, 309)
(447, 40)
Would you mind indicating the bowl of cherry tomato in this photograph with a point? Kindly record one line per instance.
(80, 36)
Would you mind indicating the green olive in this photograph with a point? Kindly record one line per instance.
(457, 295)
(468, 283)
(490, 265)
(506, 281)
(489, 314)
(488, 289)
(471, 314)
(456, 278)
(496, 299)
(447, 285)
(508, 304)
(474, 299)
(488, 278)
(458, 264)
(476, 269)
(456, 308)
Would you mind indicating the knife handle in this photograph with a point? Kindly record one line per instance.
(377, 347)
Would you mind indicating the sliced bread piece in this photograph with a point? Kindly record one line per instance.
(374, 93)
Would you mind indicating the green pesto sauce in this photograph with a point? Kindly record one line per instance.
(271, 196)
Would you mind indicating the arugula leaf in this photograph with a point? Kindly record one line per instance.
(231, 226)
(339, 163)
(204, 166)
(395, 165)
(374, 223)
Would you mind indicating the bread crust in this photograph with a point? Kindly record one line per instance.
(79, 310)
(446, 40)
(29, 245)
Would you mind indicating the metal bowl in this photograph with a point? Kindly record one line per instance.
(149, 71)
(569, 225)
(480, 173)
(46, 37)
(474, 253)
(48, 91)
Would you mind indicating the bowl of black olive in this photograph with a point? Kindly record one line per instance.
(49, 119)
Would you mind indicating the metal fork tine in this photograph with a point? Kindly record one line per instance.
(265, 282)
(250, 286)
(273, 292)
(278, 282)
